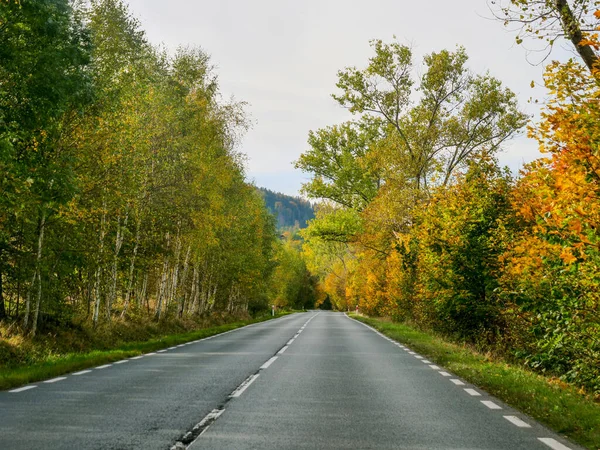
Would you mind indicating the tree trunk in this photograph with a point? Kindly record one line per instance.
(99, 261)
(38, 271)
(573, 31)
(2, 307)
(131, 268)
(118, 244)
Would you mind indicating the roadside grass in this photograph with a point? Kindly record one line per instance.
(550, 401)
(55, 365)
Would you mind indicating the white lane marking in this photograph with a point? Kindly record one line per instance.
(171, 348)
(181, 345)
(426, 362)
(411, 353)
(268, 363)
(160, 351)
(137, 357)
(434, 367)
(516, 421)
(418, 357)
(54, 380)
(290, 341)
(554, 444)
(104, 366)
(282, 350)
(213, 415)
(150, 354)
(457, 382)
(444, 374)
(472, 392)
(123, 361)
(24, 388)
(490, 404)
(242, 387)
(83, 372)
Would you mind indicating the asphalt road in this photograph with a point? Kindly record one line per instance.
(314, 380)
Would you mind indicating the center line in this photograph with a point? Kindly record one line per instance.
(54, 380)
(268, 363)
(282, 350)
(290, 341)
(242, 387)
(518, 422)
(82, 372)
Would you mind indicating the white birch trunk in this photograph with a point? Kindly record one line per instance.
(38, 270)
(131, 268)
(98, 278)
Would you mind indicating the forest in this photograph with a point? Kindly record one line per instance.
(420, 223)
(123, 195)
(290, 212)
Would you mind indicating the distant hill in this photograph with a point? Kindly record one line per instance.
(290, 212)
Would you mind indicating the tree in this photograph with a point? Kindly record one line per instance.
(549, 20)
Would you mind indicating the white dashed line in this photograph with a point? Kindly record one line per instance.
(104, 366)
(123, 361)
(516, 421)
(434, 367)
(554, 444)
(137, 357)
(411, 353)
(268, 363)
(490, 404)
(472, 392)
(457, 382)
(150, 354)
(444, 374)
(160, 351)
(242, 387)
(83, 372)
(282, 350)
(54, 380)
(290, 341)
(24, 388)
(418, 357)
(426, 362)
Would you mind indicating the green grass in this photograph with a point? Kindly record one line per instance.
(557, 405)
(56, 365)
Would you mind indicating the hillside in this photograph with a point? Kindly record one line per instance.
(290, 211)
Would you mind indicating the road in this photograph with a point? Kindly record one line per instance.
(317, 380)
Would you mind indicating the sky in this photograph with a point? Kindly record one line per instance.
(282, 58)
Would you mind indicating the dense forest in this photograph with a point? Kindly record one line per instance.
(290, 212)
(420, 223)
(123, 194)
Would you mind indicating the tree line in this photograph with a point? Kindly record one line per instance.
(418, 221)
(123, 194)
(290, 212)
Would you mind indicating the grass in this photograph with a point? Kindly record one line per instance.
(54, 365)
(550, 401)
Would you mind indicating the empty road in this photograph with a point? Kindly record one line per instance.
(317, 380)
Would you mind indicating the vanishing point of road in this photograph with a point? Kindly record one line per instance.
(317, 380)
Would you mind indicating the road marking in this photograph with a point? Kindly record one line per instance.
(181, 345)
(137, 357)
(150, 354)
(457, 382)
(24, 388)
(444, 374)
(104, 366)
(411, 353)
(472, 392)
(282, 350)
(54, 380)
(426, 362)
(268, 363)
(418, 357)
(434, 367)
(516, 421)
(242, 387)
(491, 405)
(290, 341)
(123, 361)
(554, 444)
(160, 351)
(82, 372)
(171, 348)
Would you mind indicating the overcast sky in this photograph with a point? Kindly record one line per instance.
(282, 56)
